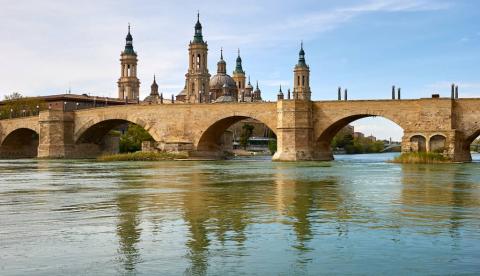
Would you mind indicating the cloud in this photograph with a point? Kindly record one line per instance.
(397, 6)
(328, 19)
(52, 45)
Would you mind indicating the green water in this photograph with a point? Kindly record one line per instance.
(357, 215)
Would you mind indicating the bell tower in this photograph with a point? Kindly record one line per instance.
(239, 74)
(301, 78)
(128, 83)
(197, 77)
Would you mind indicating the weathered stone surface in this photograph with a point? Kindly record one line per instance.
(304, 129)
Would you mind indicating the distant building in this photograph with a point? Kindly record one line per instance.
(347, 130)
(358, 135)
(372, 138)
(70, 102)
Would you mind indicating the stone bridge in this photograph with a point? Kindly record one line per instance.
(304, 129)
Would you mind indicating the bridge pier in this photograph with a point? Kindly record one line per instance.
(294, 131)
(451, 143)
(56, 134)
(459, 148)
(323, 151)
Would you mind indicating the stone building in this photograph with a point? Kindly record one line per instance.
(371, 138)
(239, 74)
(301, 78)
(65, 102)
(154, 97)
(222, 86)
(128, 83)
(358, 135)
(201, 87)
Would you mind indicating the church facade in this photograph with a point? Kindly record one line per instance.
(200, 85)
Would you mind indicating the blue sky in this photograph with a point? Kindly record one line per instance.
(366, 46)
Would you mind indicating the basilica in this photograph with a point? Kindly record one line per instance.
(200, 85)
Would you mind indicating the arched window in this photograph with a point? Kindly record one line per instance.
(437, 143)
(303, 80)
(298, 80)
(418, 143)
(198, 61)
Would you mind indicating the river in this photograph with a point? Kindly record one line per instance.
(356, 215)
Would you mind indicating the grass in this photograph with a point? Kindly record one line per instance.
(141, 156)
(421, 158)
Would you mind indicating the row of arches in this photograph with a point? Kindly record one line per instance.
(436, 143)
(23, 142)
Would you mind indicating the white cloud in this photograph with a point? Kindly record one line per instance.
(51, 45)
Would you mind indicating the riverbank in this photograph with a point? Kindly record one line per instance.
(420, 158)
(141, 156)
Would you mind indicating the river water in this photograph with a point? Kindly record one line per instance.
(356, 215)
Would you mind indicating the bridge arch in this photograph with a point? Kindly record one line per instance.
(93, 138)
(437, 143)
(20, 143)
(103, 126)
(468, 144)
(326, 134)
(209, 142)
(418, 142)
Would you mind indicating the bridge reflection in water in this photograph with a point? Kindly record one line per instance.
(243, 217)
(221, 215)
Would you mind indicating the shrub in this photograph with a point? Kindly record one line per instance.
(421, 158)
(141, 156)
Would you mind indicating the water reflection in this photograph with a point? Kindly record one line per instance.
(246, 217)
(435, 198)
(129, 220)
(196, 215)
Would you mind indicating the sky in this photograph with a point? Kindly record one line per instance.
(365, 46)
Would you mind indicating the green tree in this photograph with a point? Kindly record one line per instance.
(131, 140)
(342, 140)
(272, 146)
(15, 105)
(247, 131)
(13, 96)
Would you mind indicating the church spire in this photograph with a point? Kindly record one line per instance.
(129, 43)
(238, 67)
(221, 65)
(301, 57)
(198, 37)
(154, 87)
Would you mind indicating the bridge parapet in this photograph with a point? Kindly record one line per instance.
(304, 129)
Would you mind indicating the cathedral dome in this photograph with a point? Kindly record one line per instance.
(222, 80)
